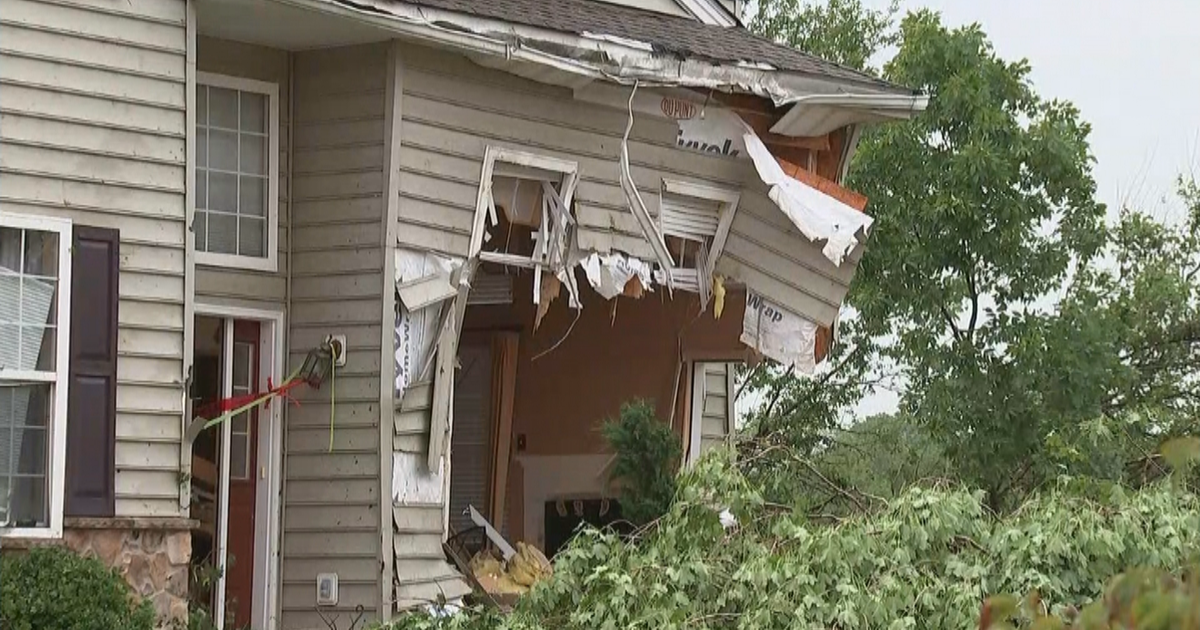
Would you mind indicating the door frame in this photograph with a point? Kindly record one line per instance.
(267, 543)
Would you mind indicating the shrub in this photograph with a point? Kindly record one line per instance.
(54, 588)
(647, 457)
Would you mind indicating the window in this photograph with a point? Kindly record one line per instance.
(35, 282)
(523, 215)
(239, 425)
(695, 221)
(237, 172)
(714, 409)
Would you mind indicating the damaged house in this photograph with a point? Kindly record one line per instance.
(450, 238)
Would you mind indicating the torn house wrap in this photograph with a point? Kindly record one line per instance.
(779, 334)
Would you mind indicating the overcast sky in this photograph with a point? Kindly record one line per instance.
(1132, 68)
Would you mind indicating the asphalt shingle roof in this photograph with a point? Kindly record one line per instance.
(667, 34)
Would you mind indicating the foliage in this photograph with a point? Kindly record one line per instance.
(924, 561)
(647, 454)
(842, 31)
(1025, 328)
(54, 588)
(883, 455)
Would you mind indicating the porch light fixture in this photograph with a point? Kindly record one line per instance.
(320, 361)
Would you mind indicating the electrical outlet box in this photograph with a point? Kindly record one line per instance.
(338, 342)
(327, 589)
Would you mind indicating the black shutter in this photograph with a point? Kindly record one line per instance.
(92, 384)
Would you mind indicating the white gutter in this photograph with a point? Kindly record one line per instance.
(818, 114)
(579, 58)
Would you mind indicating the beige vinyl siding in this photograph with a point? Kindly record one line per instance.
(337, 214)
(420, 567)
(246, 287)
(453, 109)
(92, 128)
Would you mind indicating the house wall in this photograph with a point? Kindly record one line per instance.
(92, 122)
(244, 287)
(332, 498)
(453, 109)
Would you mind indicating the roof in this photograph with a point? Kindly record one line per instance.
(667, 34)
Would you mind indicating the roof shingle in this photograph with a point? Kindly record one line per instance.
(667, 34)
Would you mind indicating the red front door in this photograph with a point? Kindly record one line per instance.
(243, 478)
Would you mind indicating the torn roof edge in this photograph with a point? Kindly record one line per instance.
(596, 56)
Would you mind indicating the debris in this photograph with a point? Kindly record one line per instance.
(492, 534)
(780, 334)
(546, 294)
(610, 274)
(818, 216)
(718, 296)
(529, 566)
(728, 520)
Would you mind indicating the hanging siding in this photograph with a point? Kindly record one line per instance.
(92, 104)
(257, 289)
(337, 218)
(453, 109)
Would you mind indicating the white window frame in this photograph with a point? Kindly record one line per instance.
(534, 167)
(56, 466)
(270, 262)
(728, 200)
(696, 427)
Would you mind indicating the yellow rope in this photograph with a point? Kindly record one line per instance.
(332, 391)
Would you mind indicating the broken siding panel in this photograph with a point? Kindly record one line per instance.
(246, 287)
(92, 129)
(337, 262)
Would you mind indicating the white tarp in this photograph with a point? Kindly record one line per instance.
(817, 215)
(416, 332)
(608, 273)
(780, 334)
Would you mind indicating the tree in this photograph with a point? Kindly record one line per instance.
(842, 31)
(1023, 325)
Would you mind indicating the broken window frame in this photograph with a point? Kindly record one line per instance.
(727, 200)
(552, 245)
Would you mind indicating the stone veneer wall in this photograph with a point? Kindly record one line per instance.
(153, 555)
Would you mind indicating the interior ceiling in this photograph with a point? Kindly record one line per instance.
(280, 26)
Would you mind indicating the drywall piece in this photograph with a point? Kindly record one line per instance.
(779, 333)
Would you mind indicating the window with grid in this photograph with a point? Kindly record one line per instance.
(239, 427)
(236, 172)
(34, 281)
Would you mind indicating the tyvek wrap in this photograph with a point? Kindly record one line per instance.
(779, 333)
(416, 332)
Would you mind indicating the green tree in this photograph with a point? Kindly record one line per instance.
(842, 31)
(1023, 325)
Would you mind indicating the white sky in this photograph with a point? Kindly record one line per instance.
(1133, 70)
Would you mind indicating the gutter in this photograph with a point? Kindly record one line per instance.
(576, 60)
